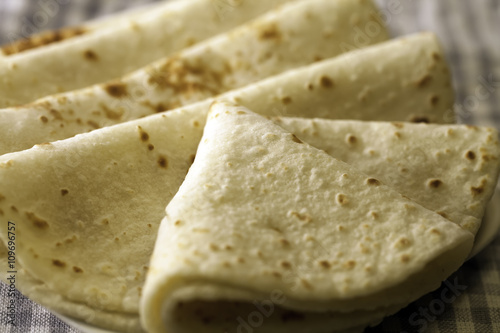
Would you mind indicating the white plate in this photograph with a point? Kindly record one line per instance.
(489, 228)
(487, 233)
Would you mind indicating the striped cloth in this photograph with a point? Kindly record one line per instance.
(469, 301)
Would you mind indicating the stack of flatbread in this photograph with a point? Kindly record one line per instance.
(297, 173)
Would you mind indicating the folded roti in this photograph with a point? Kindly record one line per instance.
(262, 213)
(115, 50)
(111, 186)
(458, 164)
(400, 80)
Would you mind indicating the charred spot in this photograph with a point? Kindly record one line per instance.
(270, 32)
(306, 284)
(436, 231)
(41, 39)
(277, 275)
(326, 82)
(56, 114)
(112, 114)
(350, 264)
(417, 119)
(184, 77)
(404, 242)
(192, 158)
(434, 100)
(93, 124)
(44, 119)
(116, 89)
(284, 242)
(90, 55)
(286, 100)
(37, 222)
(160, 108)
(470, 155)
(325, 264)
(58, 263)
(143, 134)
(435, 183)
(373, 182)
(64, 192)
(351, 139)
(62, 100)
(286, 264)
(162, 162)
(487, 157)
(436, 56)
(77, 269)
(424, 81)
(70, 240)
(479, 189)
(151, 147)
(342, 199)
(318, 58)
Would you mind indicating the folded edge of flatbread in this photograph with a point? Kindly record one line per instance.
(261, 212)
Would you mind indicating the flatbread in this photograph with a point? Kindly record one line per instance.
(416, 86)
(30, 41)
(458, 164)
(93, 152)
(38, 292)
(259, 206)
(113, 51)
(111, 187)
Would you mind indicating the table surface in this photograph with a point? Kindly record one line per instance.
(469, 301)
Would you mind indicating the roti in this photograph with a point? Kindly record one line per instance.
(112, 185)
(262, 213)
(416, 87)
(111, 51)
